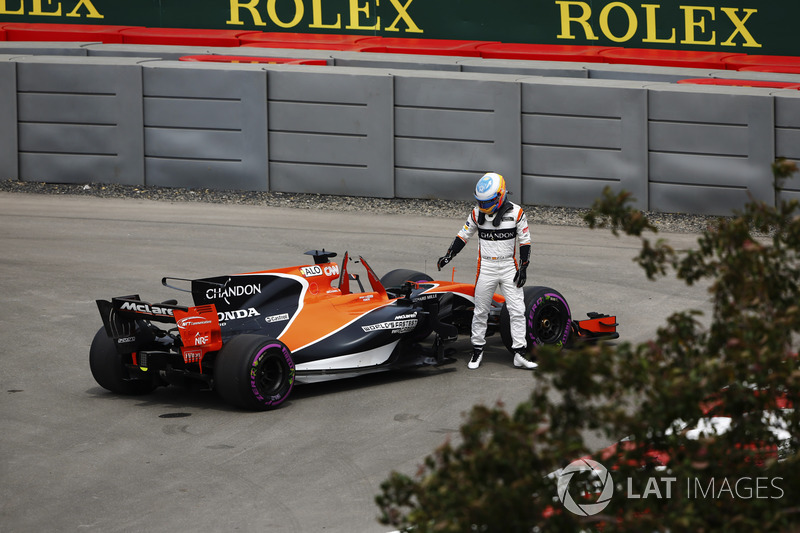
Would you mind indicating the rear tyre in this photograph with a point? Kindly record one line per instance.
(254, 372)
(548, 319)
(109, 371)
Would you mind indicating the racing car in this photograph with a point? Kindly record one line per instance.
(253, 336)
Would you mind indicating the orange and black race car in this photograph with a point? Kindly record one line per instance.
(253, 336)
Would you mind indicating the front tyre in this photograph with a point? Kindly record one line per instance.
(396, 278)
(393, 281)
(254, 372)
(548, 319)
(109, 370)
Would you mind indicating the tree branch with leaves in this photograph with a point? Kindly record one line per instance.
(740, 363)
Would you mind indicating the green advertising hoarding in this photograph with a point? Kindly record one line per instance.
(740, 26)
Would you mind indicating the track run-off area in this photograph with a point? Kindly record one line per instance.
(78, 458)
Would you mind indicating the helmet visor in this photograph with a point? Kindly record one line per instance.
(486, 204)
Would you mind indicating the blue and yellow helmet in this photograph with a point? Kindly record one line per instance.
(490, 192)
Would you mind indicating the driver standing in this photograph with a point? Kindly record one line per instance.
(500, 224)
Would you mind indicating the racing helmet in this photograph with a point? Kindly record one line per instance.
(490, 192)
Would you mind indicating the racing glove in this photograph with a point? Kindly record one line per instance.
(524, 260)
(456, 247)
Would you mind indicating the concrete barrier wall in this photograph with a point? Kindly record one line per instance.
(204, 126)
(787, 137)
(578, 138)
(710, 150)
(448, 131)
(79, 119)
(8, 119)
(330, 131)
(427, 133)
(43, 48)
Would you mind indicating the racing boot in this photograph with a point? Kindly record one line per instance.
(477, 357)
(521, 360)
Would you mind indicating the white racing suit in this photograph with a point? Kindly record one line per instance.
(497, 266)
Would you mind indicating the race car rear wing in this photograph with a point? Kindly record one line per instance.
(120, 317)
(132, 308)
(198, 326)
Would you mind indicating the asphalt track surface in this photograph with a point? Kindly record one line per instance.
(78, 458)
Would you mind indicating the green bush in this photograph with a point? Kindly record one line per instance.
(503, 473)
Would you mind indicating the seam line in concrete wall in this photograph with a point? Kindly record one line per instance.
(690, 154)
(183, 158)
(700, 122)
(436, 169)
(573, 177)
(313, 103)
(76, 154)
(191, 128)
(576, 147)
(313, 164)
(190, 98)
(567, 115)
(444, 139)
(445, 108)
(52, 123)
(68, 93)
(726, 187)
(321, 133)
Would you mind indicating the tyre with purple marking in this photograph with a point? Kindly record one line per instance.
(254, 372)
(548, 319)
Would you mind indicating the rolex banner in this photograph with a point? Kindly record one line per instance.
(737, 26)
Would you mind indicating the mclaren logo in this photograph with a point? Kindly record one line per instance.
(146, 309)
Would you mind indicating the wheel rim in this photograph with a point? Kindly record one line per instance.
(270, 375)
(548, 325)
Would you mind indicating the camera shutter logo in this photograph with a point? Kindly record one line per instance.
(587, 509)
